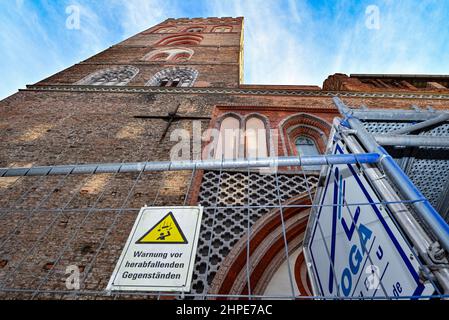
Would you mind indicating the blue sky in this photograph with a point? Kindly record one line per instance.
(286, 41)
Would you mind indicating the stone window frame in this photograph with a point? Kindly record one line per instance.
(303, 124)
(194, 27)
(312, 139)
(160, 56)
(266, 123)
(187, 76)
(241, 150)
(243, 119)
(192, 39)
(173, 27)
(90, 79)
(175, 52)
(230, 28)
(182, 57)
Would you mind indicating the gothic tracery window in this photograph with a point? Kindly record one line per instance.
(236, 141)
(175, 54)
(166, 30)
(181, 40)
(182, 57)
(307, 147)
(222, 29)
(195, 29)
(174, 77)
(116, 76)
(160, 57)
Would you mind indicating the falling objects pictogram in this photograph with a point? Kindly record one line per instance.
(166, 231)
(171, 235)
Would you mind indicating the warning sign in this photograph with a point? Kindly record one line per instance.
(160, 252)
(165, 231)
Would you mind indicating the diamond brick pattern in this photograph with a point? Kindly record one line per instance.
(223, 227)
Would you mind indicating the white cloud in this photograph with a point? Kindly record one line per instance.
(19, 3)
(293, 8)
(139, 15)
(312, 43)
(25, 47)
(286, 42)
(275, 53)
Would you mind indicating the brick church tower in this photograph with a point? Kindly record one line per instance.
(203, 52)
(127, 104)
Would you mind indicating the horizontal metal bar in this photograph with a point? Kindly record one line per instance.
(14, 210)
(412, 141)
(395, 115)
(191, 165)
(18, 172)
(422, 125)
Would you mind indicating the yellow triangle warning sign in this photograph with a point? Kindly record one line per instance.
(166, 231)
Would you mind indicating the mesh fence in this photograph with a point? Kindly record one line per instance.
(50, 223)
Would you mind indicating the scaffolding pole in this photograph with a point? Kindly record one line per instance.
(406, 187)
(272, 162)
(422, 125)
(396, 115)
(412, 141)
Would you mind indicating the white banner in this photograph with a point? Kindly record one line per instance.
(355, 248)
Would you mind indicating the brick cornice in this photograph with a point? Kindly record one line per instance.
(184, 45)
(175, 23)
(287, 108)
(158, 63)
(202, 32)
(236, 91)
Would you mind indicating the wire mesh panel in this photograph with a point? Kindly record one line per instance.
(233, 202)
(61, 235)
(427, 167)
(52, 225)
(55, 228)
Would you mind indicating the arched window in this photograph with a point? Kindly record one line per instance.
(174, 77)
(175, 54)
(195, 29)
(303, 124)
(179, 40)
(256, 138)
(166, 30)
(307, 147)
(160, 57)
(222, 29)
(182, 57)
(229, 140)
(116, 76)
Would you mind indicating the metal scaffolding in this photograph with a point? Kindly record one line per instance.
(273, 162)
(395, 173)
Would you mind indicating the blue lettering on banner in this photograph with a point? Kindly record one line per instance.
(360, 246)
(356, 253)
